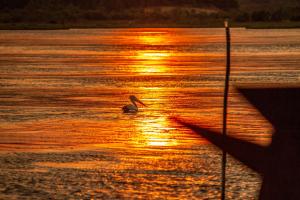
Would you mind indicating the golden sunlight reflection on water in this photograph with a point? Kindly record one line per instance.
(64, 90)
(155, 132)
(150, 62)
(154, 129)
(154, 60)
(153, 37)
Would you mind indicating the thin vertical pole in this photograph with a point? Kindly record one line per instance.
(226, 89)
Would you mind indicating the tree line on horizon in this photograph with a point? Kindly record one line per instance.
(115, 4)
(58, 11)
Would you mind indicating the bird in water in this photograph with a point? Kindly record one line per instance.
(132, 108)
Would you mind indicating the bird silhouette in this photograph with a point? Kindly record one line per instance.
(132, 108)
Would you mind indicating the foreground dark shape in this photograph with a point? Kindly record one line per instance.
(279, 163)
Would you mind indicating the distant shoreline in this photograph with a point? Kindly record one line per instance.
(133, 24)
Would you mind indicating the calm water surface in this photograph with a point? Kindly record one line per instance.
(63, 134)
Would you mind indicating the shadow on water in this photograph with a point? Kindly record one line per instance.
(279, 162)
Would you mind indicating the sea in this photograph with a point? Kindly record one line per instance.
(64, 134)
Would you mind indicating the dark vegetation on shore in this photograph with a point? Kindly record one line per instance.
(55, 14)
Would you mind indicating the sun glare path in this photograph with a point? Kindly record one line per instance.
(155, 132)
(149, 62)
(153, 55)
(153, 39)
(152, 127)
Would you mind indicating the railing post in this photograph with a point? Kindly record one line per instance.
(226, 90)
